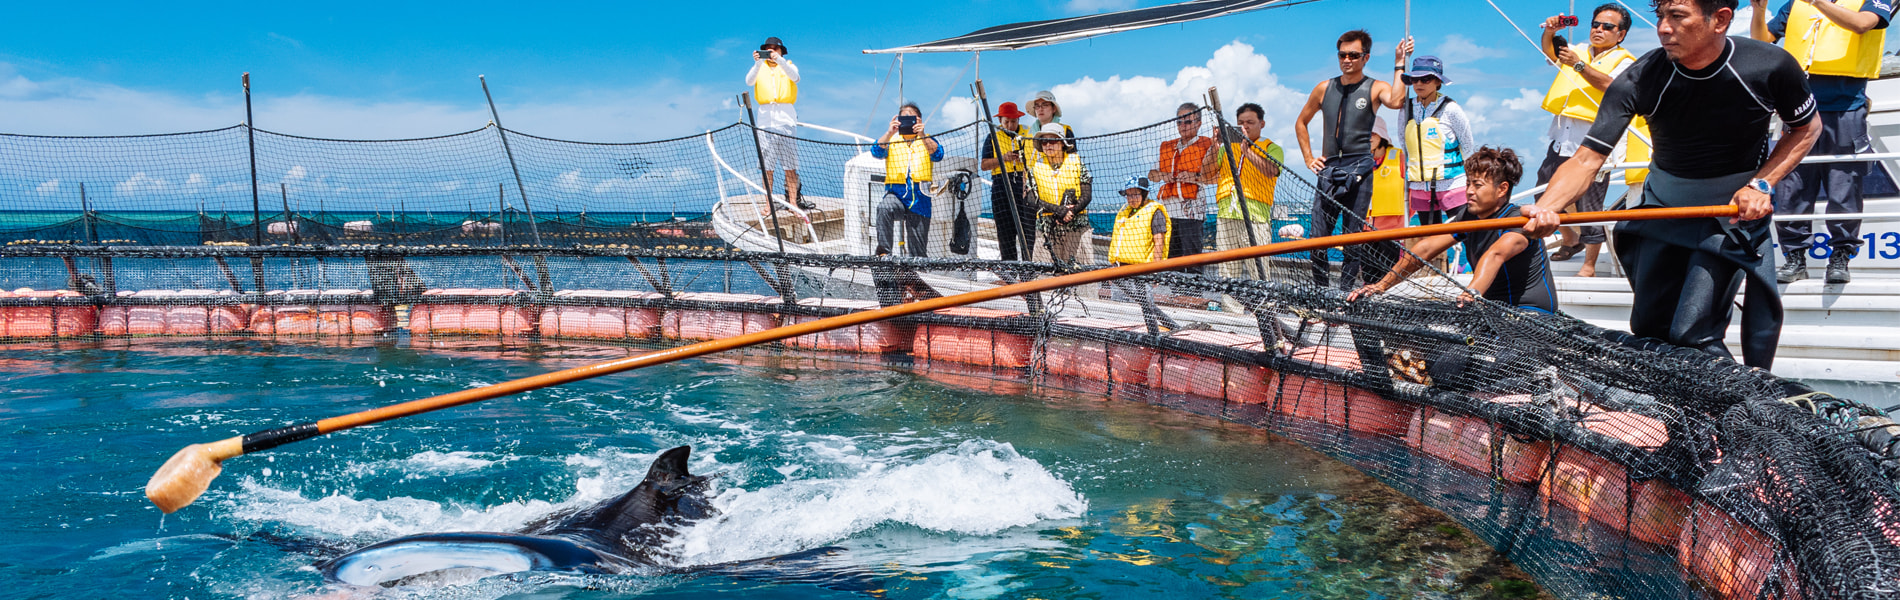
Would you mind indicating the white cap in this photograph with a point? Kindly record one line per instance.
(1379, 129)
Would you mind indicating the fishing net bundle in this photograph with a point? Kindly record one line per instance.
(1604, 465)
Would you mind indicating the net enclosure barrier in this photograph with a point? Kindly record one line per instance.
(1604, 465)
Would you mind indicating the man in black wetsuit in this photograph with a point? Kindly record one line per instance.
(1709, 100)
(1348, 103)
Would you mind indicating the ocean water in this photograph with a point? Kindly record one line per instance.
(932, 490)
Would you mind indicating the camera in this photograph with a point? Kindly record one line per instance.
(1567, 21)
(764, 53)
(907, 124)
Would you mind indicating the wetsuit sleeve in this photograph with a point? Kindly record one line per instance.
(1778, 25)
(1788, 87)
(1880, 8)
(1619, 106)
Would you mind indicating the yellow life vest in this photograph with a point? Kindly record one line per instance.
(1388, 186)
(907, 157)
(1007, 142)
(772, 86)
(1572, 96)
(1637, 150)
(1824, 48)
(1256, 185)
(1133, 242)
(1433, 157)
(1051, 182)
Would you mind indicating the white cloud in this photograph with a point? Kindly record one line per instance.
(1460, 49)
(140, 182)
(1240, 74)
(1509, 121)
(1096, 6)
(47, 187)
(195, 180)
(296, 173)
(448, 186)
(570, 181)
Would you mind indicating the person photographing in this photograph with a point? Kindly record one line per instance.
(1584, 71)
(1709, 99)
(909, 156)
(774, 81)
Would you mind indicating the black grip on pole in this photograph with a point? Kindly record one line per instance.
(272, 438)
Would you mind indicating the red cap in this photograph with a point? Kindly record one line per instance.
(1009, 111)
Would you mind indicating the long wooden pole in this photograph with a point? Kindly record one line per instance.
(189, 472)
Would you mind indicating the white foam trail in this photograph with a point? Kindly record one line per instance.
(979, 488)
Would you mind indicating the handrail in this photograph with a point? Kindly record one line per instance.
(1811, 160)
(839, 132)
(769, 200)
(188, 473)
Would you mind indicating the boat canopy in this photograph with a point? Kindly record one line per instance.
(1030, 34)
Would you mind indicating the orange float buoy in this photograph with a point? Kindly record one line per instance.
(706, 324)
(600, 322)
(872, 338)
(46, 321)
(441, 317)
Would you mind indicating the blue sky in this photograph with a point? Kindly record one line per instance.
(632, 71)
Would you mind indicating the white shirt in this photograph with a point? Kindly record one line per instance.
(1567, 133)
(782, 118)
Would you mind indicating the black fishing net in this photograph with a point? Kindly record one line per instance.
(1602, 464)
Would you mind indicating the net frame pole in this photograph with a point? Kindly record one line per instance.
(494, 114)
(1240, 193)
(250, 141)
(1027, 250)
(752, 122)
(85, 213)
(501, 208)
(290, 218)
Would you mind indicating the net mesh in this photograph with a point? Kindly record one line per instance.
(1604, 465)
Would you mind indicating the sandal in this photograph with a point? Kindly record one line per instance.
(1564, 253)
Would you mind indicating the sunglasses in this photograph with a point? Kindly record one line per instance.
(1349, 55)
(1605, 26)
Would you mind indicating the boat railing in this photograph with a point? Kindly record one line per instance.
(770, 201)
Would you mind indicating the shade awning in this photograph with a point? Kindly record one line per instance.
(1055, 31)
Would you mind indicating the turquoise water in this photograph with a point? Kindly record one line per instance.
(934, 490)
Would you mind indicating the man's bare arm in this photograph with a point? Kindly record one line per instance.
(1568, 184)
(1758, 22)
(1313, 101)
(1852, 20)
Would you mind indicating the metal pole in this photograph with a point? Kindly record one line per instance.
(501, 203)
(496, 115)
(752, 122)
(250, 139)
(1233, 170)
(85, 210)
(290, 218)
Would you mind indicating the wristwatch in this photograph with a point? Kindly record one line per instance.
(1579, 66)
(1761, 185)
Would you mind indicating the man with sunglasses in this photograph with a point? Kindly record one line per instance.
(1348, 103)
(1839, 45)
(1179, 171)
(1710, 99)
(1584, 71)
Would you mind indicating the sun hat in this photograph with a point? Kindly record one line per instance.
(774, 41)
(1379, 129)
(1053, 130)
(1046, 96)
(1009, 111)
(1426, 66)
(1138, 182)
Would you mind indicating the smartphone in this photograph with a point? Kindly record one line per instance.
(763, 53)
(1567, 21)
(1557, 42)
(907, 124)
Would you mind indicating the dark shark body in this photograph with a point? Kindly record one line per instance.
(614, 536)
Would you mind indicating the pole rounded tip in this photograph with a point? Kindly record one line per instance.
(189, 473)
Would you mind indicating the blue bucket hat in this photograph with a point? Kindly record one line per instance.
(1426, 66)
(1138, 182)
